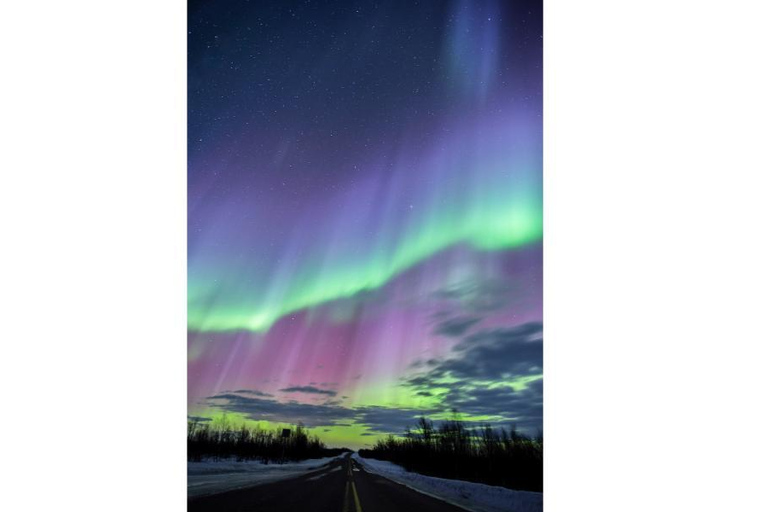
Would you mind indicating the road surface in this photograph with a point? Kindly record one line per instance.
(340, 486)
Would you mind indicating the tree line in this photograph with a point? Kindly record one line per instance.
(491, 456)
(206, 441)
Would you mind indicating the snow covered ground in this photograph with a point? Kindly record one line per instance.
(208, 477)
(468, 495)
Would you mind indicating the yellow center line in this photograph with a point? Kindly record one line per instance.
(346, 498)
(351, 480)
(358, 508)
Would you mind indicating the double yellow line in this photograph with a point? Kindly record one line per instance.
(351, 480)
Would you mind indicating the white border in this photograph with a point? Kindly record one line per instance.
(654, 255)
(93, 209)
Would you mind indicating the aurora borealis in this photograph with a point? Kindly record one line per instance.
(365, 214)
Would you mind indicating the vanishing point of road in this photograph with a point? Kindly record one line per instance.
(340, 486)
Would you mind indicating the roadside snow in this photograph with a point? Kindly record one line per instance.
(468, 495)
(208, 477)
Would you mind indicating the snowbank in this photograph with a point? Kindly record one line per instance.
(208, 477)
(467, 495)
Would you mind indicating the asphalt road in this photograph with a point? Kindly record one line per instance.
(341, 486)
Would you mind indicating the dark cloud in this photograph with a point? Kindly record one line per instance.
(455, 327)
(309, 389)
(253, 392)
(490, 356)
(199, 419)
(378, 419)
(391, 420)
(477, 367)
(312, 415)
(522, 407)
(505, 405)
(420, 381)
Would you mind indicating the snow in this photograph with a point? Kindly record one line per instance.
(468, 495)
(210, 477)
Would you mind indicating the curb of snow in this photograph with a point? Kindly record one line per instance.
(526, 501)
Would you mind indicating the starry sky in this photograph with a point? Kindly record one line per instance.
(365, 214)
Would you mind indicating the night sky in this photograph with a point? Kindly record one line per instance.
(365, 214)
